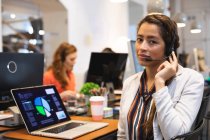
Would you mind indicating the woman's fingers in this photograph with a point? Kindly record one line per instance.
(168, 68)
(162, 66)
(170, 59)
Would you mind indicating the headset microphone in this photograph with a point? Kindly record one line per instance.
(150, 59)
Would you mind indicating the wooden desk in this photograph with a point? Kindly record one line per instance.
(110, 129)
(8, 128)
(2, 129)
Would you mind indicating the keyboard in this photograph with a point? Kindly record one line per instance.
(63, 128)
(5, 116)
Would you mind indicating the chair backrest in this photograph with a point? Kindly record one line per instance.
(200, 121)
(203, 108)
(194, 134)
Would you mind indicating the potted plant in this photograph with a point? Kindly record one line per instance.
(87, 90)
(87, 87)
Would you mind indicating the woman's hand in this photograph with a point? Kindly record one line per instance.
(166, 71)
(68, 95)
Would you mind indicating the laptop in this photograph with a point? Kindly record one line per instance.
(44, 114)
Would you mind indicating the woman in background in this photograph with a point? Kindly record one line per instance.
(163, 100)
(60, 72)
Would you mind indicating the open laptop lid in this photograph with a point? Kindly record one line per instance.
(40, 106)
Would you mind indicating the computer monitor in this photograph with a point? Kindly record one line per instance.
(107, 68)
(134, 62)
(19, 70)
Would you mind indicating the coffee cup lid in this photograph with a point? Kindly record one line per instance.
(97, 98)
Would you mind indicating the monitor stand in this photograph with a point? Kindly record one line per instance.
(6, 100)
(110, 87)
(9, 123)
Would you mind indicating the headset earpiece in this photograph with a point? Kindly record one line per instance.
(62, 56)
(168, 53)
(172, 46)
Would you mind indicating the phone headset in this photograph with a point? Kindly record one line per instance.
(62, 55)
(171, 49)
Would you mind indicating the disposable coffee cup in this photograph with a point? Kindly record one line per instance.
(97, 105)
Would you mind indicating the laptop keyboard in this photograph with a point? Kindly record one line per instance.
(65, 127)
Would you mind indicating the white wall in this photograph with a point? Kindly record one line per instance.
(94, 25)
(56, 31)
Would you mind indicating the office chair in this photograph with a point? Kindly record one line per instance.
(203, 108)
(203, 112)
(207, 117)
(199, 121)
(194, 134)
(207, 114)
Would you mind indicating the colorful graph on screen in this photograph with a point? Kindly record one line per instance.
(42, 106)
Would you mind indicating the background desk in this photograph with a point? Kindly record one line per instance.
(108, 132)
(2, 129)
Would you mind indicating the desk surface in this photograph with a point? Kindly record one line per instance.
(2, 128)
(111, 128)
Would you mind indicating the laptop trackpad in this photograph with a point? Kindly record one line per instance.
(63, 128)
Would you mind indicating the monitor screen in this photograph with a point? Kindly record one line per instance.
(19, 70)
(133, 57)
(107, 68)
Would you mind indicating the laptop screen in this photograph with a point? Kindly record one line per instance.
(40, 106)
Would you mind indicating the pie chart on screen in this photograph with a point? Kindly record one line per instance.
(42, 106)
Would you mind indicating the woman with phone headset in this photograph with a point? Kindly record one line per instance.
(162, 101)
(60, 72)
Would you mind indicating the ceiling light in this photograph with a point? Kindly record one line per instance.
(118, 1)
(41, 32)
(195, 27)
(12, 16)
(195, 31)
(180, 20)
(180, 24)
(155, 6)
